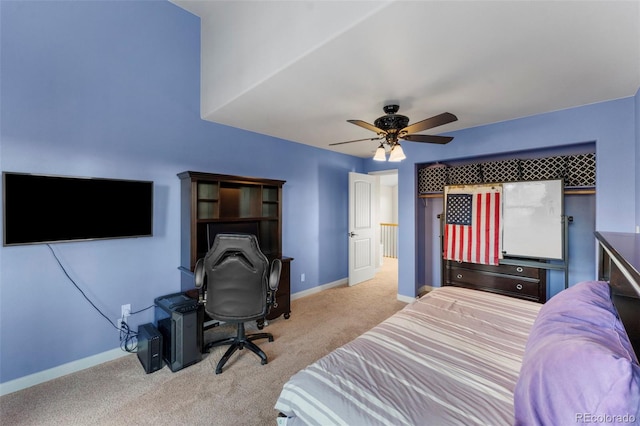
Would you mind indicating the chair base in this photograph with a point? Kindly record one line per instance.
(240, 341)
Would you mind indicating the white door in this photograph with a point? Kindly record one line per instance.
(363, 193)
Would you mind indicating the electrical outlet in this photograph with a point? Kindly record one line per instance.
(302, 278)
(126, 310)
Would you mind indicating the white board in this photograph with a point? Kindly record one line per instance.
(533, 213)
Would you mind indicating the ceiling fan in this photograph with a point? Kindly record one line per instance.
(392, 127)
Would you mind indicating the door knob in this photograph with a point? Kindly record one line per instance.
(352, 234)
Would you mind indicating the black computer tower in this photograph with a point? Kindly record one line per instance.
(176, 318)
(149, 348)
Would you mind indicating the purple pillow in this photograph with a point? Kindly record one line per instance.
(579, 365)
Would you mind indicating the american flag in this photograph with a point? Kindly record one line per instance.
(472, 227)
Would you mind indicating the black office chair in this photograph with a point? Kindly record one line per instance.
(239, 287)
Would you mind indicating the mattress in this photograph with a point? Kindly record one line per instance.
(451, 357)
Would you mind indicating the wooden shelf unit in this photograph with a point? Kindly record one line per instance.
(231, 204)
(225, 203)
(212, 203)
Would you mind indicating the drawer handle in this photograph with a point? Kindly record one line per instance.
(519, 269)
(459, 276)
(519, 286)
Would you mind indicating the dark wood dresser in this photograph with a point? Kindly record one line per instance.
(523, 282)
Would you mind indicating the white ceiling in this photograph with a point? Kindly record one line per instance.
(298, 70)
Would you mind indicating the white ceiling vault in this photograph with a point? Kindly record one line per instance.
(298, 70)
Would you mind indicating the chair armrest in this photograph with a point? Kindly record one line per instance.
(274, 282)
(198, 273)
(274, 276)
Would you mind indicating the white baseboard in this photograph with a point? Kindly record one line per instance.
(406, 299)
(318, 289)
(344, 281)
(59, 371)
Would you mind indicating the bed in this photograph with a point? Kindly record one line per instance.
(460, 356)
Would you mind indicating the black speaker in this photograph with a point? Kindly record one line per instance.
(149, 348)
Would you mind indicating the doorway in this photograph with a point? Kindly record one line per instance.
(388, 228)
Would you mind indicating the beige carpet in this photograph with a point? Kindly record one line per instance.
(120, 393)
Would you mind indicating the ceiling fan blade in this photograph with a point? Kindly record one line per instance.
(357, 140)
(367, 126)
(435, 121)
(428, 138)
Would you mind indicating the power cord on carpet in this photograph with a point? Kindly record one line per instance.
(128, 337)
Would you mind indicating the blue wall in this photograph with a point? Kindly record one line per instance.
(111, 89)
(612, 125)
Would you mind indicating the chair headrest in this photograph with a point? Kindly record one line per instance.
(239, 248)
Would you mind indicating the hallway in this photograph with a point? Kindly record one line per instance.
(388, 272)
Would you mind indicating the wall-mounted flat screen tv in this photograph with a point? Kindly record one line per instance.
(45, 209)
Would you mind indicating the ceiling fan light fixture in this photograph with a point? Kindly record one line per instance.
(381, 154)
(391, 127)
(397, 154)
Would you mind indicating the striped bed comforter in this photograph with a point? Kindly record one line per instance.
(451, 357)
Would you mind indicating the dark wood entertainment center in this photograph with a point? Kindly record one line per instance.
(212, 203)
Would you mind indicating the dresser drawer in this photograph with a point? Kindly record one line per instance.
(521, 271)
(523, 287)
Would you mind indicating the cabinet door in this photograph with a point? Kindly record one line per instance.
(270, 202)
(207, 206)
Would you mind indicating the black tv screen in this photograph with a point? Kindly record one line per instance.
(44, 209)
